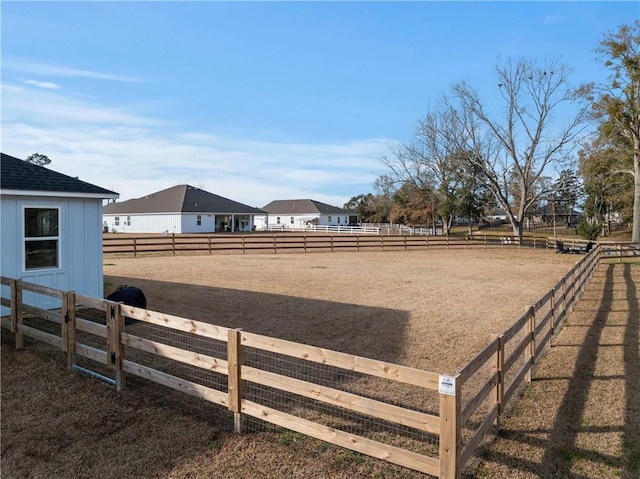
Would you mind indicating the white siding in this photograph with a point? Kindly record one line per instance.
(80, 246)
(189, 223)
(144, 223)
(300, 220)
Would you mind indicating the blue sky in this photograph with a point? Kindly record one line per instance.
(260, 101)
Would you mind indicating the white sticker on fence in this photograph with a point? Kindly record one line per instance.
(447, 385)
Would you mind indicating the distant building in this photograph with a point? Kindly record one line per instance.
(298, 213)
(180, 209)
(51, 230)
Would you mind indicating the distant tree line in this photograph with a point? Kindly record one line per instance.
(467, 158)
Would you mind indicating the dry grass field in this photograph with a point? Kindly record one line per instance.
(431, 310)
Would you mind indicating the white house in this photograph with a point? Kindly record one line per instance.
(298, 213)
(51, 231)
(179, 209)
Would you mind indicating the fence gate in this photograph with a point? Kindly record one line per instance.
(92, 337)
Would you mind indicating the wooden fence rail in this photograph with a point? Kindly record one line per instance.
(458, 425)
(295, 242)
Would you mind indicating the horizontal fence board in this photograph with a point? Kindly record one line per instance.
(89, 302)
(91, 327)
(472, 444)
(542, 301)
(346, 400)
(5, 280)
(96, 354)
(184, 356)
(479, 398)
(513, 330)
(5, 322)
(349, 362)
(542, 343)
(517, 353)
(51, 315)
(478, 361)
(511, 389)
(40, 335)
(173, 382)
(395, 455)
(39, 289)
(5, 302)
(197, 328)
(544, 322)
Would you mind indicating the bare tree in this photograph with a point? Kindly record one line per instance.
(431, 163)
(517, 145)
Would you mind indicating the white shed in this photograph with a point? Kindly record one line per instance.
(51, 232)
(179, 209)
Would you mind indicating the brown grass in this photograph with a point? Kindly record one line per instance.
(431, 310)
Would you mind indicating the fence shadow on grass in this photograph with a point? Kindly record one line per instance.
(594, 379)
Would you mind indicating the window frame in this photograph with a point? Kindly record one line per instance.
(26, 239)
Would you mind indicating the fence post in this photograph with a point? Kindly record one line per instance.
(450, 434)
(135, 247)
(115, 325)
(234, 357)
(16, 312)
(173, 243)
(70, 319)
(500, 385)
(64, 330)
(552, 322)
(532, 342)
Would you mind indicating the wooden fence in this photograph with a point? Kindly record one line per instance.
(465, 406)
(292, 242)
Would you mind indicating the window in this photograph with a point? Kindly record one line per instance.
(278, 220)
(128, 220)
(41, 238)
(116, 221)
(292, 220)
(338, 220)
(199, 220)
(329, 219)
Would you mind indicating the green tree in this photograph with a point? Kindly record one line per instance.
(364, 205)
(616, 105)
(607, 194)
(38, 159)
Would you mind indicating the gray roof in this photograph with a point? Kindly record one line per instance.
(180, 199)
(303, 207)
(18, 175)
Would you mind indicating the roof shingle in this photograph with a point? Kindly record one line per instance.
(18, 175)
(298, 207)
(180, 199)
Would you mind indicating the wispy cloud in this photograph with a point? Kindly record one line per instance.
(42, 68)
(42, 84)
(136, 154)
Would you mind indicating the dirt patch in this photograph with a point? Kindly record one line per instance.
(431, 310)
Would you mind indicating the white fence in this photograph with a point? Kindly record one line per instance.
(353, 230)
